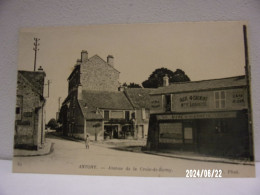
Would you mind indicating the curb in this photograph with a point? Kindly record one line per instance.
(197, 159)
(44, 154)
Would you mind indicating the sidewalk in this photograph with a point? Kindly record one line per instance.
(46, 149)
(197, 157)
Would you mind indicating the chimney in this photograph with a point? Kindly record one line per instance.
(166, 81)
(110, 60)
(39, 77)
(79, 92)
(84, 55)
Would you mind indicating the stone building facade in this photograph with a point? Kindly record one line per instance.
(30, 115)
(92, 91)
(95, 105)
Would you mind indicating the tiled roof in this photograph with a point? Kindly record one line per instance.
(90, 113)
(139, 97)
(201, 85)
(36, 79)
(106, 100)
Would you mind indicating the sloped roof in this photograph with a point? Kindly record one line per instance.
(106, 100)
(139, 97)
(237, 81)
(36, 79)
(90, 113)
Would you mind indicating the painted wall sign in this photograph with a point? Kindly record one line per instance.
(197, 116)
(193, 101)
(238, 97)
(204, 101)
(156, 103)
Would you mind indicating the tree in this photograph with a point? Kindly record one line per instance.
(52, 123)
(132, 85)
(155, 80)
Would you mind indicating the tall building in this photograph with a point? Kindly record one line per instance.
(30, 115)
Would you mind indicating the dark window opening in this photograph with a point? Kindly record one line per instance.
(127, 115)
(106, 115)
(17, 110)
(168, 102)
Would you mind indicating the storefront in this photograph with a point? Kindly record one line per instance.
(211, 121)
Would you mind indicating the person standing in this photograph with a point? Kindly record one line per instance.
(87, 142)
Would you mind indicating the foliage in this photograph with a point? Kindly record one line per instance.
(52, 124)
(155, 80)
(132, 85)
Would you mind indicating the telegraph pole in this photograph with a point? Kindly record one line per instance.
(35, 48)
(248, 81)
(48, 83)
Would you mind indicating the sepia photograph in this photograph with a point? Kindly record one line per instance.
(147, 100)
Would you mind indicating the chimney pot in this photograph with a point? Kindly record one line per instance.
(40, 69)
(166, 81)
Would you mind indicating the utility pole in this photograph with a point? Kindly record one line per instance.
(48, 83)
(248, 80)
(35, 48)
(59, 104)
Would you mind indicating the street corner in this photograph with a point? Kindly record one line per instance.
(47, 148)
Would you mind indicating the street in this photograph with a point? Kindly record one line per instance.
(71, 157)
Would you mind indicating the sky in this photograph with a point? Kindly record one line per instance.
(203, 50)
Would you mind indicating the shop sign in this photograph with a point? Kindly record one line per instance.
(192, 101)
(238, 97)
(197, 116)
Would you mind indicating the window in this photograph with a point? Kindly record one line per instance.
(168, 102)
(106, 115)
(143, 113)
(17, 111)
(188, 138)
(220, 99)
(127, 115)
(170, 133)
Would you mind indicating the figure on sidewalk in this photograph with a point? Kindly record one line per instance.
(87, 141)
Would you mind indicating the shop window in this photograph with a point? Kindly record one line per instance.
(188, 137)
(170, 133)
(106, 115)
(220, 99)
(168, 103)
